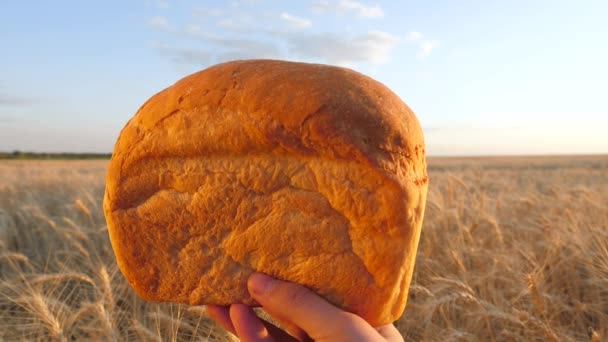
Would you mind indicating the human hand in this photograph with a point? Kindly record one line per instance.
(304, 315)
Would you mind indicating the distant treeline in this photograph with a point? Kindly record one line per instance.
(33, 155)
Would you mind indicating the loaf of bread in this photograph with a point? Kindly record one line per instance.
(310, 173)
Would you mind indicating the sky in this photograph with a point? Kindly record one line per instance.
(483, 77)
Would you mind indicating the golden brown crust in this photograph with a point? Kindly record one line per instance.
(310, 173)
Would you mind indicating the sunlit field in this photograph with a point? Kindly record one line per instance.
(511, 249)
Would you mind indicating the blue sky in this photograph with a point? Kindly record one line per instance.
(483, 77)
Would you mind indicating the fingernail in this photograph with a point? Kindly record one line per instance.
(260, 283)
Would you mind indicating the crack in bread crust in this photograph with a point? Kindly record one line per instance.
(233, 194)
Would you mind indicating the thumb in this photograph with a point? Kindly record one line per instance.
(297, 304)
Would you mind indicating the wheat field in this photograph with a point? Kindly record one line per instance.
(511, 249)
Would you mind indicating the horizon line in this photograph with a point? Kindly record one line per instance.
(483, 155)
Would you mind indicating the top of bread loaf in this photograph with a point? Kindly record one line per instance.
(261, 106)
(277, 121)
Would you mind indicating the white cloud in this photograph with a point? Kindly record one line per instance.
(235, 44)
(360, 9)
(425, 46)
(321, 6)
(373, 47)
(295, 21)
(239, 35)
(414, 35)
(211, 48)
(349, 7)
(159, 22)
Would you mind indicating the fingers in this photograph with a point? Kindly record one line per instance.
(221, 316)
(291, 329)
(249, 328)
(297, 304)
(278, 334)
(390, 333)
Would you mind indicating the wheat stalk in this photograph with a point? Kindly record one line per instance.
(106, 288)
(37, 305)
(145, 333)
(61, 277)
